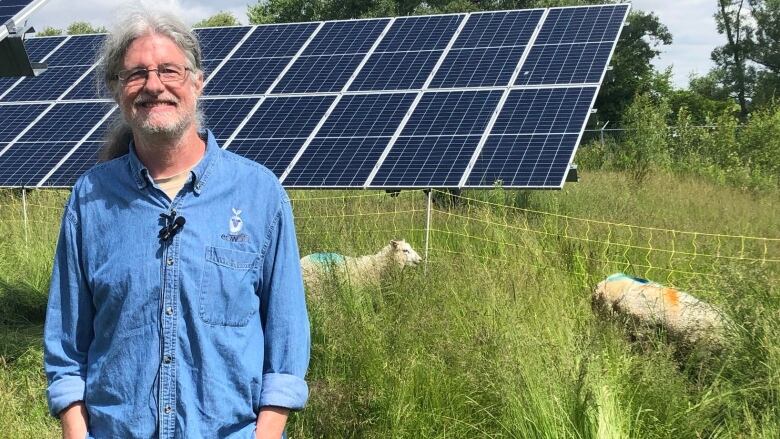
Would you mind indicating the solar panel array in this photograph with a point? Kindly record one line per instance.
(459, 100)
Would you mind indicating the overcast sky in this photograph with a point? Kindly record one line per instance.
(691, 23)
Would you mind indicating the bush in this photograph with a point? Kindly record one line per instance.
(645, 147)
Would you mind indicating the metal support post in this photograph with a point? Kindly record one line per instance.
(24, 217)
(427, 229)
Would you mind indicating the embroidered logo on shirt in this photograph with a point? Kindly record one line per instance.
(235, 226)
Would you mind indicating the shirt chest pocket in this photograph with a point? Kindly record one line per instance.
(227, 289)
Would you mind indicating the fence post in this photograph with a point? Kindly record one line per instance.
(602, 133)
(427, 229)
(24, 217)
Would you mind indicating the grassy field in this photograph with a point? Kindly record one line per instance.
(495, 337)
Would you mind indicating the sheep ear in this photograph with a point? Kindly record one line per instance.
(395, 243)
(234, 211)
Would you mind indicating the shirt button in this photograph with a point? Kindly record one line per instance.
(169, 261)
(169, 311)
(167, 359)
(168, 409)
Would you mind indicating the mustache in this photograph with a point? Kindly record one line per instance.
(141, 100)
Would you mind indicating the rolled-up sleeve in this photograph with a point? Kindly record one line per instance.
(68, 329)
(284, 318)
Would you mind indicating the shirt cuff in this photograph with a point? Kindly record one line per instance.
(284, 390)
(64, 392)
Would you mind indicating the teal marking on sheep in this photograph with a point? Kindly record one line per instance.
(327, 258)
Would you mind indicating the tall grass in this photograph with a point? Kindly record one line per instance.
(495, 338)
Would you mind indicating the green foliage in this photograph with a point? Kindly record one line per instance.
(698, 106)
(760, 143)
(645, 145)
(632, 73)
(82, 28)
(222, 18)
(49, 31)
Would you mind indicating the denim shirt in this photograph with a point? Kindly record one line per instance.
(183, 338)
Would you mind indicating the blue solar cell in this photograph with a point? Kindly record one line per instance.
(345, 37)
(16, 118)
(396, 70)
(478, 67)
(224, 115)
(420, 33)
(209, 66)
(459, 112)
(319, 73)
(524, 160)
(565, 64)
(216, 43)
(274, 154)
(9, 8)
(47, 86)
(89, 88)
(6, 83)
(80, 50)
(496, 29)
(38, 48)
(24, 164)
(286, 117)
(85, 157)
(275, 40)
(246, 76)
(367, 115)
(337, 162)
(67, 122)
(557, 110)
(431, 161)
(584, 24)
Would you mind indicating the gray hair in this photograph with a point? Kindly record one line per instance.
(139, 22)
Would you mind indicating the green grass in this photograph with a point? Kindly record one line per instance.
(496, 338)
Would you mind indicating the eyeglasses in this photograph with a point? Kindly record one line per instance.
(167, 72)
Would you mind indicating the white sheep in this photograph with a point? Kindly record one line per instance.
(359, 271)
(686, 318)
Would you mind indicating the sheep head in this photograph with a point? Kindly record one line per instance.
(404, 254)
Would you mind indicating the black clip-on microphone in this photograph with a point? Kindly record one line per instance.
(173, 225)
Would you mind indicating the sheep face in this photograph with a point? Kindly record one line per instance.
(404, 254)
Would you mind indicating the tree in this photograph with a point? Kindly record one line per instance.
(49, 31)
(221, 18)
(737, 75)
(765, 42)
(765, 50)
(632, 72)
(83, 27)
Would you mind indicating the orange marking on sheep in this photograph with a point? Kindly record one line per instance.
(671, 297)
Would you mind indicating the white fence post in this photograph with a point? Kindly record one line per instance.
(427, 229)
(24, 216)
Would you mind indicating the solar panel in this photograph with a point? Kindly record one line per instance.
(457, 100)
(60, 130)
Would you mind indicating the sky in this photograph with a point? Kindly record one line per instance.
(691, 23)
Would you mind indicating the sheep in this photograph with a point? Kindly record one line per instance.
(689, 321)
(358, 271)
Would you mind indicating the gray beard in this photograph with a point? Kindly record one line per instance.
(169, 131)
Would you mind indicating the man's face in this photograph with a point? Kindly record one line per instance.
(156, 107)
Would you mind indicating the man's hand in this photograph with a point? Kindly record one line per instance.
(74, 421)
(270, 422)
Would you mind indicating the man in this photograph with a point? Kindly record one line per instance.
(176, 307)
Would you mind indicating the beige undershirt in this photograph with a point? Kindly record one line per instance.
(172, 185)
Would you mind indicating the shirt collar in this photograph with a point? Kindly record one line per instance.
(200, 173)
